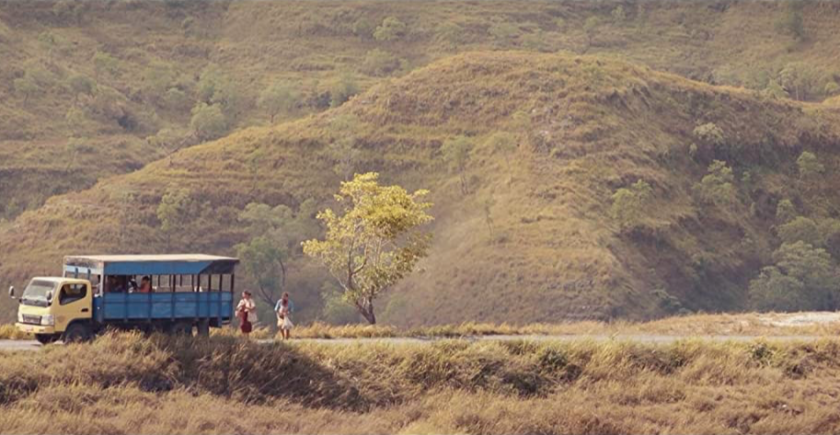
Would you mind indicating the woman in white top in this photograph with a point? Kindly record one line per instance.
(246, 311)
(284, 322)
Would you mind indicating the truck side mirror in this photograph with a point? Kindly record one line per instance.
(49, 296)
(12, 292)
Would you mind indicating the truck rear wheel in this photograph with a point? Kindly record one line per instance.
(77, 333)
(182, 328)
(46, 339)
(203, 328)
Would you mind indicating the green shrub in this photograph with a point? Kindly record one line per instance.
(801, 229)
(158, 78)
(803, 278)
(710, 134)
(718, 185)
(791, 23)
(364, 27)
(26, 86)
(785, 211)
(342, 90)
(808, 165)
(391, 29)
(629, 204)
(208, 122)
(278, 98)
(176, 99)
(81, 84)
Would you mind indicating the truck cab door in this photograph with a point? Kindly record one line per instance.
(73, 302)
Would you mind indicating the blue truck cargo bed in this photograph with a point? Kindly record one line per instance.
(164, 305)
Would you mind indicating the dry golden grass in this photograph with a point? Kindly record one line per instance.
(747, 324)
(225, 385)
(10, 332)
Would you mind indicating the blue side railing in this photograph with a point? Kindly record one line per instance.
(164, 305)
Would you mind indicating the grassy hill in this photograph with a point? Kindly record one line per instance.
(94, 89)
(531, 237)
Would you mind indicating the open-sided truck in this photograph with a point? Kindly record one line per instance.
(95, 292)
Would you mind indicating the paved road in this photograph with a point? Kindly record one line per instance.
(19, 345)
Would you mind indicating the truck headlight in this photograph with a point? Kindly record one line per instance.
(47, 320)
(20, 317)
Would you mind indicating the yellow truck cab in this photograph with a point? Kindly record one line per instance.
(50, 306)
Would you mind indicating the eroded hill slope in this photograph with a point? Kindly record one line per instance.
(531, 238)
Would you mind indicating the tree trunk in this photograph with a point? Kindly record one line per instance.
(366, 310)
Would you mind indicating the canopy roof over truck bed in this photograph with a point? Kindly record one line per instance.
(178, 264)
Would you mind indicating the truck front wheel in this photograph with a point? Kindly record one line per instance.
(77, 333)
(46, 339)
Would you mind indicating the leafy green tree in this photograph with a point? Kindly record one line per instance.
(803, 278)
(208, 122)
(275, 237)
(217, 88)
(174, 213)
(799, 79)
(801, 229)
(276, 99)
(374, 241)
(785, 211)
(379, 62)
(364, 27)
(456, 154)
(791, 21)
(342, 90)
(814, 267)
(262, 262)
(391, 29)
(809, 166)
(718, 185)
(629, 204)
(774, 291)
(336, 310)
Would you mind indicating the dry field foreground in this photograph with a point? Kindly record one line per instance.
(227, 385)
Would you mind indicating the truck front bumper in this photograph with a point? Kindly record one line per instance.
(35, 329)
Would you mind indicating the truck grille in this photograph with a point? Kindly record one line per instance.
(31, 320)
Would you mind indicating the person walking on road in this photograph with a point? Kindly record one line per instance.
(246, 310)
(284, 310)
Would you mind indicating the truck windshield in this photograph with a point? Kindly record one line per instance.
(36, 293)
